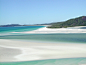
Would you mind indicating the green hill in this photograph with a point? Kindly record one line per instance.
(79, 21)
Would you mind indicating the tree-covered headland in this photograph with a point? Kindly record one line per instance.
(79, 21)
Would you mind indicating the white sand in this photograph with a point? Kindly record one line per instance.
(27, 51)
(46, 30)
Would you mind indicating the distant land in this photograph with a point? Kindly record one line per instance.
(10, 25)
(14, 25)
(79, 21)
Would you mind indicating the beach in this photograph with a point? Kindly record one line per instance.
(14, 50)
(45, 30)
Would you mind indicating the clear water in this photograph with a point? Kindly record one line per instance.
(66, 61)
(5, 33)
(76, 38)
(18, 28)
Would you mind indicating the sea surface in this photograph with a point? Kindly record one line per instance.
(66, 61)
(79, 38)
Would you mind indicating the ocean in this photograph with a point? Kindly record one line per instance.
(8, 30)
(6, 33)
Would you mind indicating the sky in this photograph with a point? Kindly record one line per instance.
(40, 11)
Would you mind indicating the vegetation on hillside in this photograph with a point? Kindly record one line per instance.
(79, 21)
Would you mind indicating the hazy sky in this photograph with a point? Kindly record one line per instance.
(40, 11)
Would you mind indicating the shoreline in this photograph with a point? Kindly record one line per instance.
(46, 30)
(30, 51)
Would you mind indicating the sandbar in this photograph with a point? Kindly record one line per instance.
(28, 51)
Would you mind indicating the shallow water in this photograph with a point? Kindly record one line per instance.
(65, 61)
(18, 29)
(72, 37)
(60, 37)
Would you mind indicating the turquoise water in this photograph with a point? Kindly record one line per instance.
(19, 28)
(66, 61)
(60, 37)
(76, 38)
(9, 30)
